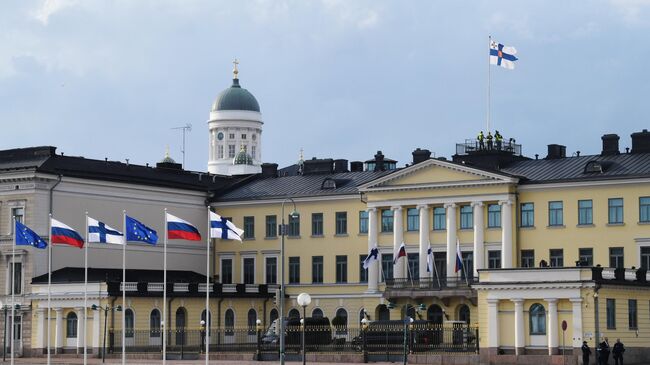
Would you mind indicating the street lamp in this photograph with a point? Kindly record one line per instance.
(283, 231)
(202, 323)
(258, 327)
(365, 322)
(408, 321)
(304, 300)
(105, 310)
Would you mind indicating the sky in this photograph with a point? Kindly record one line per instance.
(337, 78)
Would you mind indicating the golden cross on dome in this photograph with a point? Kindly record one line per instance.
(234, 70)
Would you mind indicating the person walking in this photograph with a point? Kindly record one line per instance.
(604, 352)
(586, 352)
(618, 351)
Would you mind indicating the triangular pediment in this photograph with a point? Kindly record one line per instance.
(437, 173)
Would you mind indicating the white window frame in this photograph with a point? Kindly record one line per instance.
(18, 259)
(277, 266)
(232, 268)
(641, 242)
(254, 257)
(10, 207)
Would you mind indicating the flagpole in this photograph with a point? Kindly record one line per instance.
(164, 326)
(85, 335)
(488, 88)
(124, 290)
(207, 295)
(13, 290)
(408, 267)
(49, 287)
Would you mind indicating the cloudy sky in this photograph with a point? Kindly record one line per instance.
(339, 78)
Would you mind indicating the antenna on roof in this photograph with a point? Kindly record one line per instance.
(186, 127)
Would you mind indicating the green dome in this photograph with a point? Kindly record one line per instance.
(242, 158)
(236, 98)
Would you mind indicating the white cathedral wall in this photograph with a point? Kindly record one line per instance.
(235, 122)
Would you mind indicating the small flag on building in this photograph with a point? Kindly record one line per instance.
(429, 259)
(99, 232)
(136, 231)
(62, 234)
(178, 229)
(401, 251)
(459, 258)
(223, 228)
(503, 56)
(372, 257)
(26, 237)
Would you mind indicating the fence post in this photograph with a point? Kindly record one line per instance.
(476, 340)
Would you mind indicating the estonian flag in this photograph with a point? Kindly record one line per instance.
(178, 229)
(223, 228)
(62, 234)
(27, 237)
(101, 233)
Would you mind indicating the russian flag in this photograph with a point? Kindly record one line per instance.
(64, 235)
(178, 229)
(459, 258)
(401, 251)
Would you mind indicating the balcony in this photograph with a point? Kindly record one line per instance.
(192, 289)
(472, 147)
(428, 287)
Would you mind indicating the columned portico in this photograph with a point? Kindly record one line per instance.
(493, 325)
(58, 337)
(373, 268)
(399, 269)
(452, 237)
(576, 304)
(506, 233)
(424, 240)
(552, 332)
(519, 326)
(479, 256)
(39, 343)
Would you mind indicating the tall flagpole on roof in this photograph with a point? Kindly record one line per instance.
(488, 85)
(164, 323)
(13, 290)
(49, 287)
(208, 317)
(124, 290)
(84, 337)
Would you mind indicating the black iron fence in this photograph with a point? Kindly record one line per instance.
(374, 340)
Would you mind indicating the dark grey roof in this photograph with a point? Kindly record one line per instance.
(626, 165)
(76, 275)
(301, 185)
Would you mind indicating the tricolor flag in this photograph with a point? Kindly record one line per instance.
(178, 229)
(223, 228)
(429, 259)
(26, 237)
(99, 232)
(401, 251)
(503, 56)
(459, 258)
(62, 234)
(372, 257)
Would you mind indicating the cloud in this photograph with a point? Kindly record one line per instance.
(352, 13)
(634, 12)
(51, 7)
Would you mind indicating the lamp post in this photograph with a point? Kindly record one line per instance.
(304, 300)
(364, 328)
(258, 327)
(283, 231)
(202, 323)
(105, 310)
(408, 321)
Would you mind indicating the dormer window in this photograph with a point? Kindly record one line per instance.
(594, 166)
(328, 184)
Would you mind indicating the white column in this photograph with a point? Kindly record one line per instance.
(80, 329)
(58, 328)
(506, 234)
(479, 256)
(577, 323)
(399, 269)
(96, 331)
(451, 243)
(40, 329)
(552, 328)
(493, 324)
(519, 326)
(373, 269)
(424, 242)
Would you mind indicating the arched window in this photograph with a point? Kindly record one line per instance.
(362, 314)
(71, 325)
(128, 323)
(537, 318)
(434, 314)
(181, 322)
(340, 321)
(382, 313)
(273, 315)
(154, 323)
(464, 314)
(294, 313)
(317, 313)
(410, 311)
(252, 318)
(230, 322)
(208, 323)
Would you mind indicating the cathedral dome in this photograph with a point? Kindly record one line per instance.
(236, 98)
(242, 158)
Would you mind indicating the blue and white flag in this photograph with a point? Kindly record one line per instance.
(372, 257)
(99, 232)
(503, 56)
(429, 259)
(223, 228)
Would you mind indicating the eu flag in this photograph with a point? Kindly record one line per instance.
(27, 237)
(136, 231)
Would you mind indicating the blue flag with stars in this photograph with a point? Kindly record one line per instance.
(136, 231)
(27, 237)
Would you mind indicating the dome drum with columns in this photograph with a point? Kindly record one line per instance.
(235, 126)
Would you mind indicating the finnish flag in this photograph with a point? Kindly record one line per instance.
(223, 228)
(503, 56)
(99, 232)
(372, 257)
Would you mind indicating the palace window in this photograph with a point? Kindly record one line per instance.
(645, 257)
(644, 209)
(294, 270)
(414, 265)
(249, 227)
(555, 214)
(341, 269)
(249, 270)
(271, 226)
(387, 265)
(17, 277)
(585, 212)
(537, 317)
(226, 271)
(129, 322)
(342, 223)
(412, 219)
(154, 323)
(494, 259)
(527, 258)
(71, 325)
(466, 217)
(586, 256)
(527, 214)
(556, 257)
(616, 257)
(317, 269)
(363, 221)
(494, 216)
(611, 314)
(632, 314)
(294, 226)
(387, 220)
(615, 210)
(271, 270)
(317, 224)
(439, 219)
